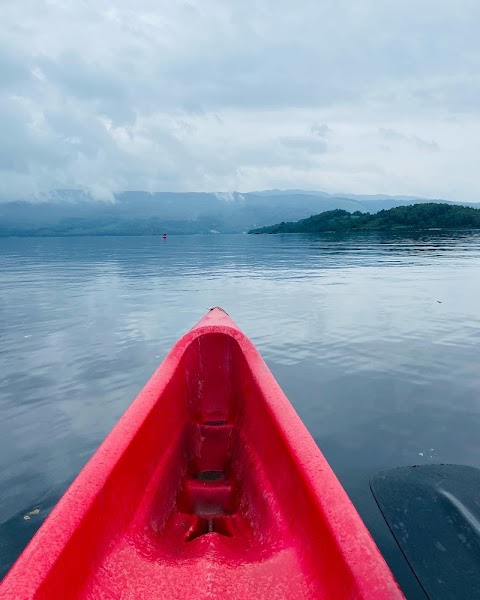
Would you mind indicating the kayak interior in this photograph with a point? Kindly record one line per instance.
(205, 500)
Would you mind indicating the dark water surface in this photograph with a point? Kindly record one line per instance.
(375, 340)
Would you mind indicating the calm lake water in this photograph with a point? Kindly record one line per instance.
(375, 340)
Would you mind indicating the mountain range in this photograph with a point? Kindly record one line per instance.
(75, 212)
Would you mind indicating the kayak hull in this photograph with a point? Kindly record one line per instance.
(209, 486)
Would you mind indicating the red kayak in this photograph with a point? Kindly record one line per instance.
(209, 486)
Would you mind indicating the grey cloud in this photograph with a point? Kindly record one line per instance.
(308, 144)
(392, 135)
(208, 95)
(461, 94)
(23, 142)
(321, 130)
(14, 68)
(80, 79)
(92, 83)
(83, 135)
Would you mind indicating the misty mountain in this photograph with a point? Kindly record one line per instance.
(74, 212)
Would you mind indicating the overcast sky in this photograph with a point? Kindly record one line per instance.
(364, 96)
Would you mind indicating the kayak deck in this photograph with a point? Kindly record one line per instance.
(208, 487)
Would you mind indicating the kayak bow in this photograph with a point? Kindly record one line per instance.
(209, 486)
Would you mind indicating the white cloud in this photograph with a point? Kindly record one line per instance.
(368, 96)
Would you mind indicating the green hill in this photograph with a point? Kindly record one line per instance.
(416, 216)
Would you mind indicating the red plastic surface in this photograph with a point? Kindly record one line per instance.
(209, 486)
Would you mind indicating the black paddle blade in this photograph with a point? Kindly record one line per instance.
(433, 511)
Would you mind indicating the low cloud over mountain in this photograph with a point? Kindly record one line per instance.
(73, 212)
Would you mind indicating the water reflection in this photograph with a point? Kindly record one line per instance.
(375, 339)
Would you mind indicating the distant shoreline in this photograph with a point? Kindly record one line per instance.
(392, 230)
(77, 236)
(417, 217)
